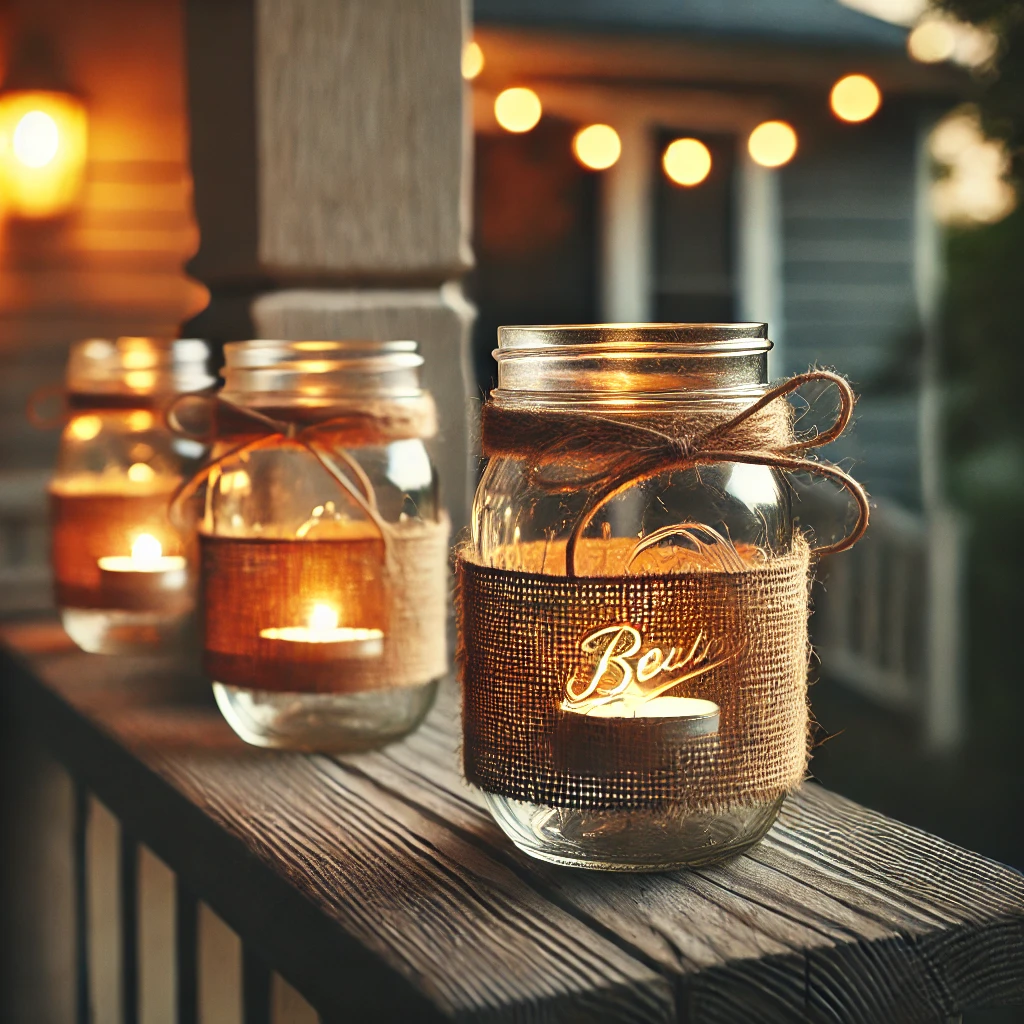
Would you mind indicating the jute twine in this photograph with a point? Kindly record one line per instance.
(522, 632)
(381, 575)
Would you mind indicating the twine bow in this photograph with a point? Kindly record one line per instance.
(641, 452)
(278, 433)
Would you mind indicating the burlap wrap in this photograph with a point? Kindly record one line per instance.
(528, 634)
(87, 526)
(374, 574)
(522, 636)
(251, 584)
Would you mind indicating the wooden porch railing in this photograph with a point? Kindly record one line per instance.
(375, 886)
(890, 619)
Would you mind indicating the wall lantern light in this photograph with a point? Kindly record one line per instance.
(687, 162)
(772, 144)
(855, 98)
(43, 137)
(518, 110)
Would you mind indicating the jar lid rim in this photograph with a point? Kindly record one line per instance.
(749, 337)
(266, 352)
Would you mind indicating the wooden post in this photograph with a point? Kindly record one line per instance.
(329, 151)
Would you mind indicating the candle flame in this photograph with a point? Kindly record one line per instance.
(323, 617)
(146, 550)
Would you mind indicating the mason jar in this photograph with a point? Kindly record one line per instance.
(718, 517)
(324, 546)
(122, 569)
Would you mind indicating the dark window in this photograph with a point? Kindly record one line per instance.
(535, 236)
(694, 244)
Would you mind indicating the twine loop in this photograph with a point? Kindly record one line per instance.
(277, 433)
(760, 435)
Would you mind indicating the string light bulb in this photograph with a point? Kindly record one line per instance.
(687, 162)
(772, 143)
(597, 147)
(855, 98)
(518, 109)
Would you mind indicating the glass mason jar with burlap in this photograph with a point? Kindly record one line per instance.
(324, 548)
(633, 601)
(122, 570)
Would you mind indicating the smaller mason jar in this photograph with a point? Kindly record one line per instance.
(324, 547)
(122, 570)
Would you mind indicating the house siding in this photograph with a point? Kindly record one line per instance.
(848, 233)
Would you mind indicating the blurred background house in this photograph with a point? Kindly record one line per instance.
(634, 160)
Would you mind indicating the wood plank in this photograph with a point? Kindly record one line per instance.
(129, 888)
(815, 903)
(382, 195)
(156, 940)
(104, 914)
(839, 914)
(288, 1006)
(386, 189)
(220, 970)
(358, 898)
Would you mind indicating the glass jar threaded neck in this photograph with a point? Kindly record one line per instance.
(631, 362)
(314, 373)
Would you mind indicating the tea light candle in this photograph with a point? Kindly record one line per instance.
(332, 641)
(147, 578)
(691, 716)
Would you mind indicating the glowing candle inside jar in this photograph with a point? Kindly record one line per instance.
(147, 578)
(660, 707)
(689, 716)
(332, 640)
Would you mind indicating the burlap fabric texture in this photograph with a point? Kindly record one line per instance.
(521, 641)
(524, 631)
(382, 575)
(402, 591)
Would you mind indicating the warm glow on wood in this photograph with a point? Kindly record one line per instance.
(43, 141)
(855, 98)
(517, 110)
(687, 162)
(597, 147)
(772, 144)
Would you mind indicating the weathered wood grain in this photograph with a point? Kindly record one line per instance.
(846, 914)
(417, 899)
(377, 883)
(328, 141)
(361, 136)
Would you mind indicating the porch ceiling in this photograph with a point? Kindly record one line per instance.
(806, 22)
(701, 42)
